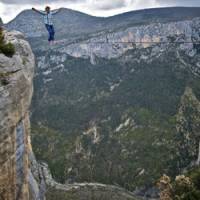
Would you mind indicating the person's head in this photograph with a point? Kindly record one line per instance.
(47, 9)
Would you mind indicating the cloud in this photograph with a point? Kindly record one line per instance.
(180, 2)
(36, 2)
(101, 3)
(107, 5)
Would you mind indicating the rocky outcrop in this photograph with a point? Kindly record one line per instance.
(83, 191)
(88, 192)
(16, 89)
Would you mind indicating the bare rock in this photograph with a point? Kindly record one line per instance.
(15, 99)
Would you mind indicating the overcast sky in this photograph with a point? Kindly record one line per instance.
(10, 8)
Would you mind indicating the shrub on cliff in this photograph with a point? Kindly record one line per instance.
(182, 188)
(7, 49)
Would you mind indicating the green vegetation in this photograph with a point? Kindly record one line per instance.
(6, 48)
(53, 194)
(53, 150)
(9, 50)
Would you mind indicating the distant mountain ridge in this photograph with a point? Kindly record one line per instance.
(70, 23)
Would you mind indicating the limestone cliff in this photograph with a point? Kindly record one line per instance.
(158, 36)
(16, 89)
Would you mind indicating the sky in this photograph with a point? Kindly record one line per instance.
(10, 8)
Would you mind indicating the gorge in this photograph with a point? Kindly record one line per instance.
(115, 104)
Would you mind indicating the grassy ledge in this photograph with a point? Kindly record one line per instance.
(7, 49)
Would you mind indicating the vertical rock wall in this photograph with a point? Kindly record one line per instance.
(16, 89)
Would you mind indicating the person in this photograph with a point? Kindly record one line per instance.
(48, 21)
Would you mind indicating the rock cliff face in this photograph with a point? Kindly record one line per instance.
(16, 89)
(156, 35)
(148, 42)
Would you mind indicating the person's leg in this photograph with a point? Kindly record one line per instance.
(49, 31)
(52, 33)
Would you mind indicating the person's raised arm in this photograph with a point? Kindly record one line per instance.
(53, 12)
(39, 11)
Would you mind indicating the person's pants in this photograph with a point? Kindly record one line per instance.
(51, 31)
